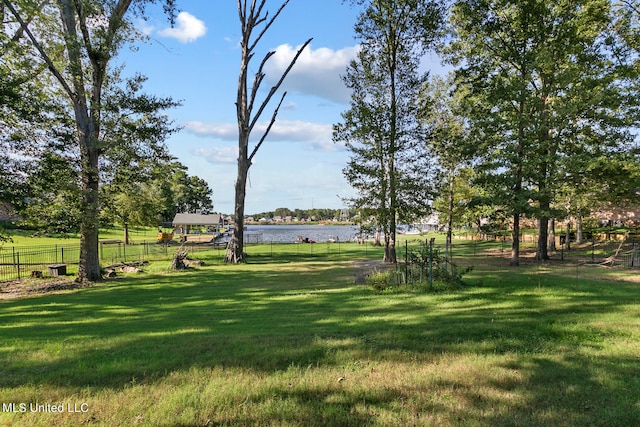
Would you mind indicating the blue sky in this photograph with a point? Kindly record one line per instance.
(197, 62)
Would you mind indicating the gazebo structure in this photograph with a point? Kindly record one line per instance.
(186, 223)
(193, 227)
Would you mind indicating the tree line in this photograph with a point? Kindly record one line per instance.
(316, 214)
(537, 118)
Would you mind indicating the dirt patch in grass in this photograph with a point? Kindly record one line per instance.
(26, 287)
(364, 268)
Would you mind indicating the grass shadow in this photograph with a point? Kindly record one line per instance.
(269, 318)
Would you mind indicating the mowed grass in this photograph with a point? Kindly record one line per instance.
(31, 238)
(281, 342)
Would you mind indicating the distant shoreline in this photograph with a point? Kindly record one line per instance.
(298, 223)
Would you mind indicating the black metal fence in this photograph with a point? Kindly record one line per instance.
(610, 249)
(420, 257)
(17, 262)
(423, 261)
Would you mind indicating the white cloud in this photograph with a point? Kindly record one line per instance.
(188, 28)
(225, 131)
(317, 135)
(316, 72)
(145, 28)
(218, 155)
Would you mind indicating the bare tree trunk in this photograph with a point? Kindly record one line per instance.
(545, 198)
(579, 231)
(250, 20)
(450, 215)
(126, 233)
(543, 237)
(552, 234)
(390, 255)
(235, 251)
(89, 265)
(87, 115)
(515, 241)
(390, 237)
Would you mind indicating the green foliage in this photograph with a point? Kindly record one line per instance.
(315, 214)
(53, 197)
(382, 280)
(4, 238)
(436, 266)
(180, 191)
(544, 88)
(423, 272)
(139, 205)
(75, 42)
(389, 165)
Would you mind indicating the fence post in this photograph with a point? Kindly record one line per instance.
(406, 252)
(62, 254)
(18, 263)
(431, 262)
(423, 258)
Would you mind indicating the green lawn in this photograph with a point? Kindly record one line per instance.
(30, 238)
(291, 340)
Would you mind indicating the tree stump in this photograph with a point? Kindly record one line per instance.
(178, 262)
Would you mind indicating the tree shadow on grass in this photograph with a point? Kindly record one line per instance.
(266, 320)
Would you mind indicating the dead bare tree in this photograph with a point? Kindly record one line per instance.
(252, 18)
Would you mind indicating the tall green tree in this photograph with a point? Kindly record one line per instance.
(447, 129)
(540, 83)
(180, 191)
(134, 130)
(91, 32)
(388, 166)
(140, 204)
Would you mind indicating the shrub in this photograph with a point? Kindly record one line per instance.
(382, 280)
(435, 265)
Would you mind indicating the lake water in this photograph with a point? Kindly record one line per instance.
(289, 233)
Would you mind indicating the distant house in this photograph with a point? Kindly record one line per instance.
(7, 213)
(432, 222)
(629, 216)
(186, 223)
